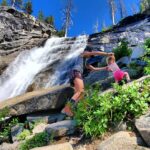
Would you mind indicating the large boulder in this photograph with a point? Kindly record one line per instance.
(121, 141)
(46, 99)
(135, 29)
(61, 128)
(8, 146)
(143, 126)
(64, 146)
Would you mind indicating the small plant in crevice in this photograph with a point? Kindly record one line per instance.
(38, 140)
(7, 128)
(4, 113)
(23, 135)
(146, 58)
(96, 113)
(122, 49)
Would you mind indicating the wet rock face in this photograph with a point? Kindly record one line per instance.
(19, 32)
(134, 28)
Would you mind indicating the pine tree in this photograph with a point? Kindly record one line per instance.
(28, 7)
(113, 9)
(50, 20)
(41, 15)
(4, 3)
(122, 9)
(17, 3)
(67, 11)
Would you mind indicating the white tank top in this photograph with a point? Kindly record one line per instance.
(114, 67)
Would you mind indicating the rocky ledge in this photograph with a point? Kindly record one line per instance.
(46, 99)
(18, 32)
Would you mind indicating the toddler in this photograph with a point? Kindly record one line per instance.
(117, 72)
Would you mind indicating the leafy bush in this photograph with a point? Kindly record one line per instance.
(122, 50)
(7, 128)
(23, 135)
(39, 140)
(96, 113)
(4, 113)
(147, 56)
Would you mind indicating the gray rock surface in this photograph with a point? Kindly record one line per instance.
(143, 126)
(15, 131)
(39, 128)
(133, 28)
(121, 141)
(61, 128)
(8, 146)
(47, 118)
(19, 32)
(47, 99)
(64, 146)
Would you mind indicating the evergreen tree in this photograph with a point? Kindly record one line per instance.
(28, 7)
(41, 15)
(17, 3)
(113, 9)
(4, 3)
(50, 20)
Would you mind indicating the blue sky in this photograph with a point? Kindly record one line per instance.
(85, 13)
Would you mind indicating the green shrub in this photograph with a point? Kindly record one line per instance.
(23, 135)
(60, 33)
(96, 113)
(6, 131)
(4, 113)
(39, 140)
(147, 56)
(122, 50)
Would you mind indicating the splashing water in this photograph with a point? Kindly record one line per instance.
(21, 73)
(61, 74)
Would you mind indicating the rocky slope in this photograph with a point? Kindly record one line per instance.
(19, 32)
(133, 28)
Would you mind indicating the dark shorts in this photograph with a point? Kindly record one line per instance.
(74, 74)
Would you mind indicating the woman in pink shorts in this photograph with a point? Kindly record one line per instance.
(117, 72)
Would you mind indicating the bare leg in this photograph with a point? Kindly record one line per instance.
(127, 76)
(79, 90)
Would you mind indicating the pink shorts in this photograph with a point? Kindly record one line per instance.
(118, 75)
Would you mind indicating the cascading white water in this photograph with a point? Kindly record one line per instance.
(21, 73)
(61, 74)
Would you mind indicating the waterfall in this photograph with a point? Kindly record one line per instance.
(22, 71)
(60, 76)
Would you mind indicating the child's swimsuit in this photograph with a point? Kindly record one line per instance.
(117, 72)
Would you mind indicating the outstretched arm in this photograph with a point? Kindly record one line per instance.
(95, 53)
(92, 68)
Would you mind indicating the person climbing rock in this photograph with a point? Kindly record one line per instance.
(117, 72)
(76, 78)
